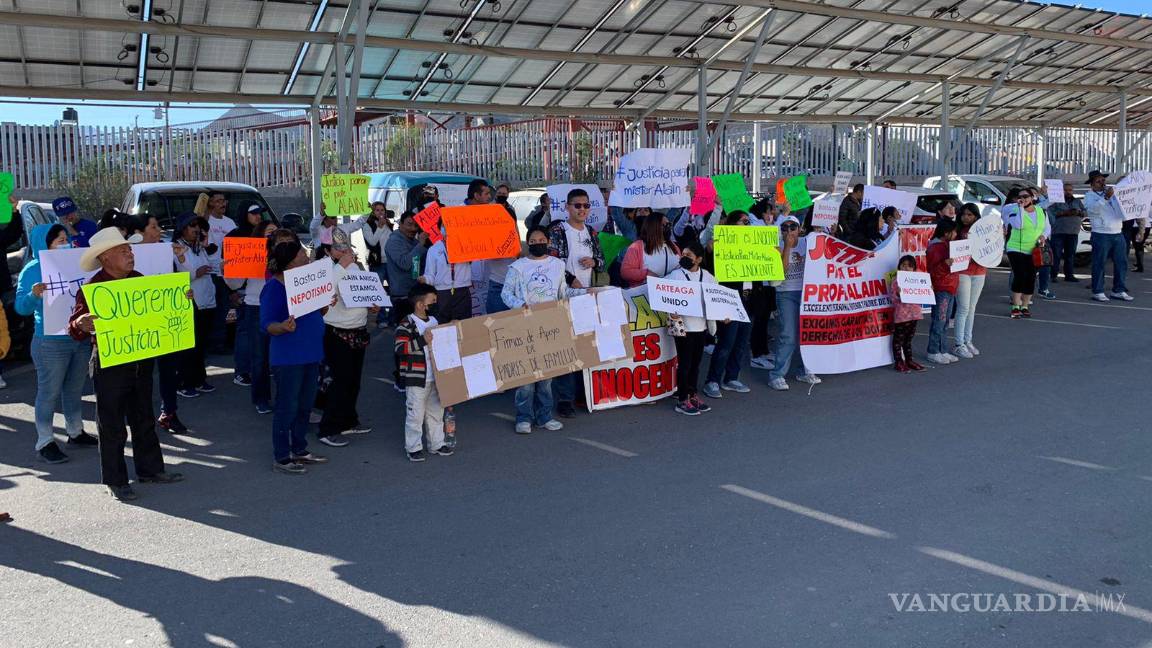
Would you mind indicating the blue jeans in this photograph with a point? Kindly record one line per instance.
(730, 352)
(61, 369)
(944, 302)
(564, 387)
(1105, 247)
(245, 339)
(534, 402)
(295, 393)
(788, 342)
(1043, 278)
(495, 303)
(382, 272)
(258, 339)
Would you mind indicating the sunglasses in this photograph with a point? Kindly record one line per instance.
(579, 205)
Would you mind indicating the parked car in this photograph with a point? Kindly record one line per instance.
(929, 201)
(167, 200)
(33, 214)
(391, 187)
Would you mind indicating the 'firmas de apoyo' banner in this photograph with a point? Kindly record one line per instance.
(846, 315)
(649, 373)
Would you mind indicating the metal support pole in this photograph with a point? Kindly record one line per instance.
(870, 155)
(353, 93)
(341, 105)
(1000, 78)
(702, 165)
(757, 156)
(1041, 155)
(315, 155)
(167, 141)
(749, 59)
(945, 143)
(1122, 136)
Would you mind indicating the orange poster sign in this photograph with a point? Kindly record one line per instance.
(245, 258)
(478, 232)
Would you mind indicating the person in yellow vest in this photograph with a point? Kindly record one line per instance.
(1027, 229)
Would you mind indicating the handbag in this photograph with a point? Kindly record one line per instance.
(677, 327)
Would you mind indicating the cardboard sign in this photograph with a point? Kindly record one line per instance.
(676, 297)
(961, 254)
(846, 313)
(141, 317)
(245, 258)
(732, 192)
(597, 214)
(986, 239)
(648, 372)
(826, 211)
(309, 287)
(650, 177)
(915, 288)
(514, 348)
(703, 197)
(842, 181)
(881, 197)
(429, 220)
(359, 289)
(62, 277)
(796, 193)
(478, 232)
(345, 194)
(1134, 195)
(1055, 190)
(723, 303)
(7, 186)
(746, 253)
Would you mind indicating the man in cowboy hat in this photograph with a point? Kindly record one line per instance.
(123, 392)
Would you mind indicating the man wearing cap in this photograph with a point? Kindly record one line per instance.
(123, 392)
(80, 230)
(1107, 238)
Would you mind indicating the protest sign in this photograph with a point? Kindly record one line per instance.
(961, 254)
(846, 314)
(611, 308)
(359, 289)
(612, 245)
(597, 213)
(986, 237)
(141, 317)
(345, 194)
(648, 373)
(914, 241)
(479, 294)
(780, 198)
(429, 220)
(309, 287)
(732, 192)
(746, 253)
(516, 347)
(450, 193)
(723, 303)
(651, 177)
(7, 186)
(1055, 190)
(840, 184)
(676, 297)
(881, 197)
(915, 288)
(62, 277)
(796, 193)
(703, 197)
(245, 258)
(1134, 194)
(479, 232)
(826, 211)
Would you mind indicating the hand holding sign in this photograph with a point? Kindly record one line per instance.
(345, 194)
(429, 220)
(479, 232)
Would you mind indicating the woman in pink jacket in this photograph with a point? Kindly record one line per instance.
(652, 254)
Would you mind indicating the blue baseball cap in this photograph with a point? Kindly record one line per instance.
(64, 206)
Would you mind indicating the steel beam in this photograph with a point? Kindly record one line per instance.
(1021, 42)
(315, 155)
(1121, 137)
(748, 61)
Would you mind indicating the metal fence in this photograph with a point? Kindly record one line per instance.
(541, 151)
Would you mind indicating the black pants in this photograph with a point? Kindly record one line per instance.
(764, 303)
(454, 304)
(689, 351)
(124, 394)
(1064, 254)
(168, 367)
(902, 335)
(192, 372)
(345, 368)
(1131, 229)
(1023, 273)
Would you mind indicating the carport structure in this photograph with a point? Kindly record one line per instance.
(861, 63)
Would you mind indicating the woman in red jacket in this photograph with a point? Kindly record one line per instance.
(651, 255)
(944, 284)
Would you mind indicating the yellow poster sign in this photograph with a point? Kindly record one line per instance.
(748, 253)
(345, 194)
(141, 317)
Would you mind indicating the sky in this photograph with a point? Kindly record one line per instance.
(125, 114)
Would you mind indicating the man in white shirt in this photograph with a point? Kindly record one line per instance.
(1107, 240)
(452, 281)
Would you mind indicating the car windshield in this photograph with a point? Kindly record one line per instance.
(167, 206)
(932, 203)
(1006, 186)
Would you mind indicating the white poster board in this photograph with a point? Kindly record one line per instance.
(650, 177)
(961, 254)
(842, 181)
(826, 211)
(1134, 195)
(676, 297)
(1055, 190)
(359, 289)
(881, 197)
(452, 195)
(986, 239)
(309, 287)
(558, 195)
(62, 277)
(723, 303)
(915, 288)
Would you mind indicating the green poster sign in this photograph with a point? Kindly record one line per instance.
(612, 245)
(796, 193)
(732, 192)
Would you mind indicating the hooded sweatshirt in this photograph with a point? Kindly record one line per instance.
(27, 303)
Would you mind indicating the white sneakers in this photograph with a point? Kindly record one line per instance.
(1100, 297)
(962, 351)
(1122, 296)
(972, 349)
(779, 384)
(810, 378)
(526, 428)
(940, 358)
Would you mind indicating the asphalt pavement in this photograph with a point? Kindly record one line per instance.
(806, 518)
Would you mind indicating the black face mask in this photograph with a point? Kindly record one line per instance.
(538, 249)
(686, 263)
(503, 200)
(432, 310)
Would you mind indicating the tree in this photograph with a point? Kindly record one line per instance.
(95, 185)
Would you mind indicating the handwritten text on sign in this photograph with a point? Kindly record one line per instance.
(744, 253)
(479, 232)
(649, 177)
(881, 197)
(360, 289)
(597, 212)
(915, 288)
(961, 254)
(987, 241)
(723, 303)
(141, 317)
(309, 287)
(1134, 195)
(429, 220)
(245, 258)
(345, 194)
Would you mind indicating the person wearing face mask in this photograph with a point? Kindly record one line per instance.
(194, 260)
(61, 362)
(690, 345)
(793, 250)
(536, 279)
(424, 413)
(1027, 230)
(732, 337)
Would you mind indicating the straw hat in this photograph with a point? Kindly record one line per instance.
(101, 242)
